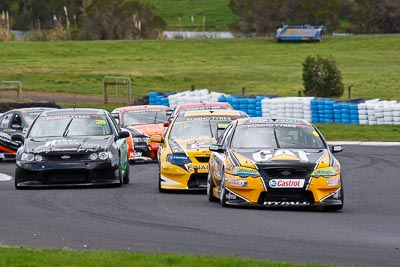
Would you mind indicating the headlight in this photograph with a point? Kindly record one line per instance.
(175, 147)
(178, 159)
(29, 157)
(101, 155)
(326, 171)
(245, 172)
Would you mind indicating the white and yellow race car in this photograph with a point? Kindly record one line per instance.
(184, 150)
(274, 162)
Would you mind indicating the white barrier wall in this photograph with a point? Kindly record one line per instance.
(318, 110)
(295, 107)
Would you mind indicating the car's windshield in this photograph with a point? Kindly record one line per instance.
(302, 137)
(195, 129)
(70, 125)
(137, 117)
(29, 117)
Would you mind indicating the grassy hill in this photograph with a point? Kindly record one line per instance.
(178, 13)
(369, 63)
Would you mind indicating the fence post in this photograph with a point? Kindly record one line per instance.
(349, 91)
(105, 92)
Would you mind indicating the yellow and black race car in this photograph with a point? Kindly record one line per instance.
(274, 162)
(184, 150)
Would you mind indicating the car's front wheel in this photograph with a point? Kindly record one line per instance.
(126, 178)
(210, 189)
(336, 207)
(222, 198)
(160, 189)
(16, 183)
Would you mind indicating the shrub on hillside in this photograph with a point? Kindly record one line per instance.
(119, 19)
(321, 77)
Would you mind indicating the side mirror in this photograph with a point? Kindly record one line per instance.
(336, 148)
(18, 138)
(157, 138)
(123, 134)
(216, 148)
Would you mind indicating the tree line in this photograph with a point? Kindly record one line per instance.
(85, 19)
(131, 19)
(353, 16)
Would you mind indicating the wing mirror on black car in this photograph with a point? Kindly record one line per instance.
(123, 134)
(336, 148)
(18, 138)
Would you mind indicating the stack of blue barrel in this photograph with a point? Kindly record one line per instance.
(317, 109)
(328, 110)
(346, 113)
(250, 105)
(158, 98)
(354, 118)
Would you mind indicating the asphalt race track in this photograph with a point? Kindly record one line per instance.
(137, 217)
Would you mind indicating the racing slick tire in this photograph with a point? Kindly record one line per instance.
(16, 184)
(210, 188)
(120, 176)
(336, 207)
(222, 199)
(159, 182)
(126, 176)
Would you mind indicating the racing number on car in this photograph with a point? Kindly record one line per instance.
(100, 122)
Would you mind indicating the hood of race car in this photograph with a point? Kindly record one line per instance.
(192, 147)
(296, 164)
(149, 129)
(307, 158)
(67, 144)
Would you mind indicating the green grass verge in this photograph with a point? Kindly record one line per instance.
(366, 133)
(369, 63)
(10, 257)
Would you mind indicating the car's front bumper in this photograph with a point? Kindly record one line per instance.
(66, 174)
(191, 177)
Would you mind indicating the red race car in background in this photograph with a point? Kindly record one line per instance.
(142, 122)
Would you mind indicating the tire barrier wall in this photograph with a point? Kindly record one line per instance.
(317, 110)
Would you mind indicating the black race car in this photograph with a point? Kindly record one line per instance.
(12, 122)
(72, 147)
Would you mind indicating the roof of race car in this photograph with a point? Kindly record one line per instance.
(71, 111)
(140, 107)
(203, 105)
(213, 112)
(29, 110)
(272, 121)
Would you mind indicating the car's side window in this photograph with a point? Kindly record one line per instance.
(114, 125)
(225, 136)
(6, 120)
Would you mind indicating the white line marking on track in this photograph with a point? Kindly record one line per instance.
(4, 177)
